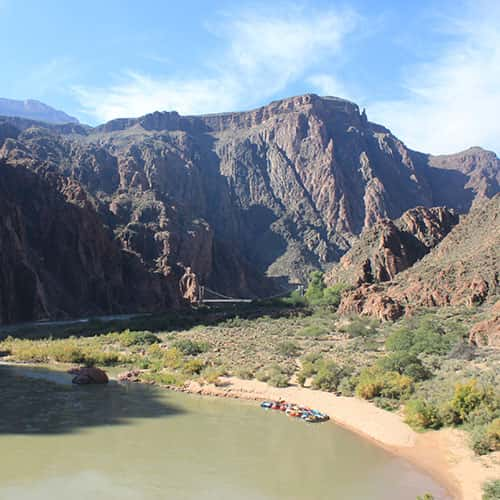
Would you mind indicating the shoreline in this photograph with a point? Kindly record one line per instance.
(443, 454)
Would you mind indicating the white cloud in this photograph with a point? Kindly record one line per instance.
(326, 84)
(453, 101)
(263, 53)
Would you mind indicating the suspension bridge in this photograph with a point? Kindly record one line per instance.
(209, 296)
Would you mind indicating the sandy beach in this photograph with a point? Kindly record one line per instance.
(444, 454)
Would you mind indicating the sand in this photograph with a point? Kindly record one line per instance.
(444, 454)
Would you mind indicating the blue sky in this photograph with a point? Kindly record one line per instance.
(428, 70)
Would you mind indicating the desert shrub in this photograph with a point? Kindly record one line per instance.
(404, 363)
(193, 366)
(468, 397)
(425, 496)
(486, 438)
(212, 374)
(301, 379)
(128, 338)
(333, 294)
(491, 490)
(361, 327)
(295, 299)
(347, 386)
(173, 358)
(278, 379)
(315, 288)
(273, 375)
(314, 331)
(191, 347)
(155, 351)
(421, 414)
(328, 376)
(288, 349)
(245, 373)
(262, 375)
(165, 378)
(386, 404)
(424, 336)
(375, 382)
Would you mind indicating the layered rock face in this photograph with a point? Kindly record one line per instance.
(464, 269)
(389, 247)
(57, 259)
(251, 200)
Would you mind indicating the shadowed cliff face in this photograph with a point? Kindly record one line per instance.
(389, 247)
(56, 258)
(463, 269)
(245, 199)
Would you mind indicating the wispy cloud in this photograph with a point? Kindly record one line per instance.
(263, 52)
(327, 84)
(453, 100)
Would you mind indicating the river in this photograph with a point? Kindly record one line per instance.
(139, 442)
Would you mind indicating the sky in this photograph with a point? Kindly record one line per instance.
(427, 70)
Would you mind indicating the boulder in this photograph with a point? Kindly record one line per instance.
(89, 375)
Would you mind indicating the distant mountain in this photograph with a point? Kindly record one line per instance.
(250, 201)
(34, 110)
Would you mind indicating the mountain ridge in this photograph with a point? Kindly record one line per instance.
(250, 200)
(37, 110)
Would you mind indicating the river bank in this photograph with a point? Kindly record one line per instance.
(444, 454)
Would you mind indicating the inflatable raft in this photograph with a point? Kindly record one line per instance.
(293, 410)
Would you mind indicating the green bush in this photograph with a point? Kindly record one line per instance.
(212, 374)
(288, 349)
(361, 327)
(274, 375)
(172, 358)
(333, 295)
(193, 366)
(301, 379)
(328, 376)
(191, 347)
(128, 338)
(425, 337)
(404, 363)
(374, 382)
(491, 490)
(315, 288)
(421, 414)
(486, 438)
(314, 331)
(467, 398)
(245, 373)
(295, 299)
(347, 386)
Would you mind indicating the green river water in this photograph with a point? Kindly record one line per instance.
(59, 441)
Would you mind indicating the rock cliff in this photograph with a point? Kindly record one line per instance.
(57, 259)
(250, 200)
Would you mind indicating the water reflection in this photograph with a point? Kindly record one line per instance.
(41, 404)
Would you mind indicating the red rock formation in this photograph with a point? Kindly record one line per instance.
(487, 332)
(390, 247)
(246, 199)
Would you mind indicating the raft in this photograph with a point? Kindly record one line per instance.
(292, 410)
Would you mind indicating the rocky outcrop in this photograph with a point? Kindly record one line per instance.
(389, 247)
(487, 332)
(252, 200)
(464, 269)
(58, 260)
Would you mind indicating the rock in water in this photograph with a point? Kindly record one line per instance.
(90, 375)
